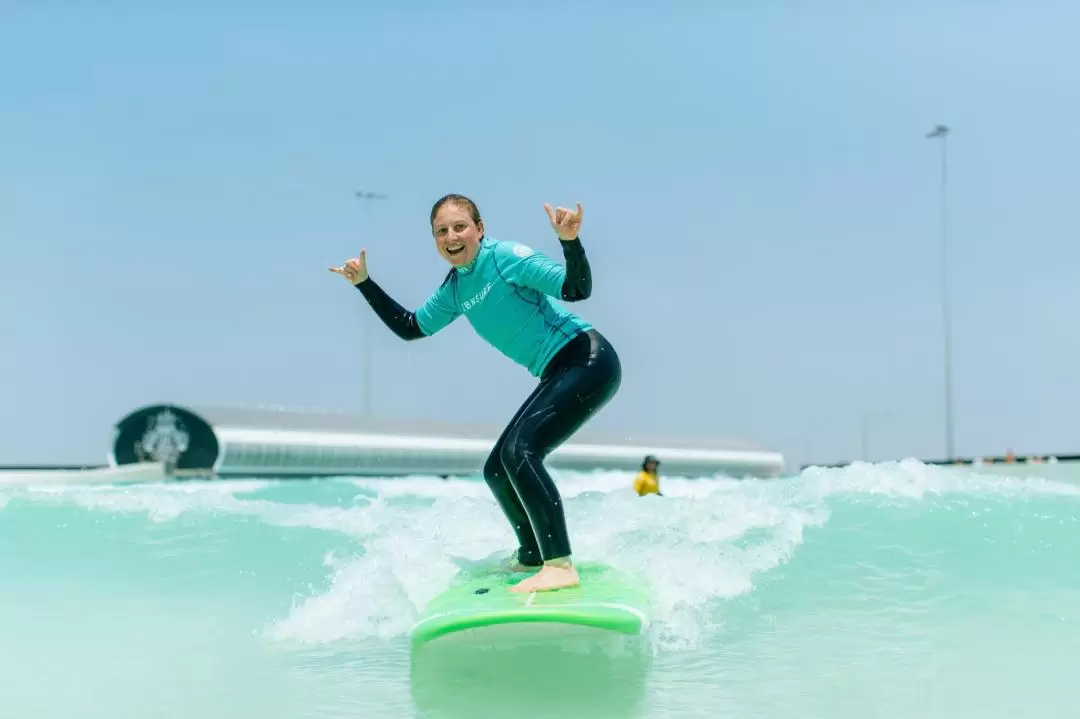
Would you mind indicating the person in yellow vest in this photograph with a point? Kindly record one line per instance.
(647, 480)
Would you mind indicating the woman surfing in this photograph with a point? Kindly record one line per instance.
(505, 290)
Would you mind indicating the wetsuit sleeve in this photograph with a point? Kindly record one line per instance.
(578, 283)
(529, 268)
(406, 325)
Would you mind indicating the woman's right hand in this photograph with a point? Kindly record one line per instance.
(354, 270)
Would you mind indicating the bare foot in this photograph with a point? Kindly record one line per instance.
(551, 577)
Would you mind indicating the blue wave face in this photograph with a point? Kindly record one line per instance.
(894, 590)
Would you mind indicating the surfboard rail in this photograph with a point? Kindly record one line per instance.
(614, 617)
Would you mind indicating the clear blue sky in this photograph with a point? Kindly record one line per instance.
(760, 211)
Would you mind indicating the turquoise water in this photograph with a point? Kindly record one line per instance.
(895, 590)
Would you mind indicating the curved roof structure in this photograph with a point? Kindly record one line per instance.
(275, 441)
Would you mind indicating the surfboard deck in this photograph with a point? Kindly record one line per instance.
(606, 600)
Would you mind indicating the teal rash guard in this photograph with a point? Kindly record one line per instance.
(507, 294)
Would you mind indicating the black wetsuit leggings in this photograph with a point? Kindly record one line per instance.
(580, 379)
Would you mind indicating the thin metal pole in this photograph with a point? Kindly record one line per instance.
(865, 441)
(942, 132)
(865, 427)
(368, 352)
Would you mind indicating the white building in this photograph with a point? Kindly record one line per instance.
(235, 442)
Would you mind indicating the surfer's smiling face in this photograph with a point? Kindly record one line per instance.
(457, 233)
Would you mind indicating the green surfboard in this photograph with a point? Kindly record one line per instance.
(480, 602)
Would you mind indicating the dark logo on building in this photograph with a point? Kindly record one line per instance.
(164, 440)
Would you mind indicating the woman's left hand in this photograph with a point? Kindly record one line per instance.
(566, 223)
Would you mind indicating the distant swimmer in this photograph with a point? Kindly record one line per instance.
(647, 480)
(505, 289)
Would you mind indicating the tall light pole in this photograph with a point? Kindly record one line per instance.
(368, 198)
(865, 430)
(941, 132)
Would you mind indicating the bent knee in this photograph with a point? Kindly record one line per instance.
(493, 467)
(514, 452)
